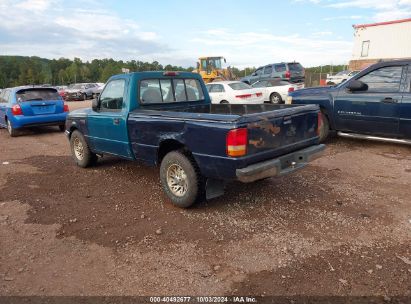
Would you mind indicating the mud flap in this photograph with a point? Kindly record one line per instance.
(214, 188)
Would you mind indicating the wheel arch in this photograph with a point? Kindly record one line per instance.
(168, 145)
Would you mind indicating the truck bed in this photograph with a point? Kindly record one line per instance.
(273, 131)
(223, 112)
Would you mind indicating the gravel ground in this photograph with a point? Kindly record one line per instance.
(341, 226)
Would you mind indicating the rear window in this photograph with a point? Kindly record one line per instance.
(37, 94)
(238, 86)
(170, 90)
(295, 67)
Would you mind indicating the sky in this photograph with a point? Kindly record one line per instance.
(246, 33)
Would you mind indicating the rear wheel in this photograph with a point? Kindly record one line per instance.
(324, 128)
(12, 131)
(224, 102)
(80, 151)
(275, 98)
(181, 179)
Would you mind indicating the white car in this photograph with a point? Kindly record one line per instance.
(234, 92)
(276, 90)
(340, 77)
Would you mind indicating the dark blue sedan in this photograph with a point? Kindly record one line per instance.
(23, 107)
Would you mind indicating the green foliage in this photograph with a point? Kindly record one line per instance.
(18, 70)
(327, 69)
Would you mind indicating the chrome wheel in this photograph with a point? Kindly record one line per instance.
(177, 180)
(78, 148)
(275, 98)
(9, 127)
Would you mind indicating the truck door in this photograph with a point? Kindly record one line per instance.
(405, 107)
(107, 127)
(375, 110)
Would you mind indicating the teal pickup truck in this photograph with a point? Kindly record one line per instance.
(167, 119)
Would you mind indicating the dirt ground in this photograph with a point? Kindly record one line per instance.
(341, 226)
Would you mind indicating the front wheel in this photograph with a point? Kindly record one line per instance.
(224, 102)
(80, 151)
(324, 130)
(275, 98)
(12, 131)
(180, 179)
(62, 128)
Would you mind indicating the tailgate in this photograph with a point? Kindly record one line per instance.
(282, 131)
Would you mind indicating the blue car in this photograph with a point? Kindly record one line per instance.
(23, 107)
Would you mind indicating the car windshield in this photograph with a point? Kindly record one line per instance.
(296, 67)
(37, 94)
(238, 86)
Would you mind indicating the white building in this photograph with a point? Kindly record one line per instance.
(381, 41)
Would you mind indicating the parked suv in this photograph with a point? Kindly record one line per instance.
(80, 91)
(291, 71)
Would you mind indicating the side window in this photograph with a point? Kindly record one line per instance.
(268, 69)
(365, 47)
(386, 79)
(111, 99)
(280, 68)
(218, 88)
(6, 97)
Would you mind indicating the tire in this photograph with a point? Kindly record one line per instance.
(275, 98)
(84, 96)
(181, 179)
(62, 128)
(325, 128)
(224, 102)
(12, 131)
(80, 151)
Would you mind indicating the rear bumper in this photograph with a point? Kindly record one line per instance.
(279, 166)
(39, 120)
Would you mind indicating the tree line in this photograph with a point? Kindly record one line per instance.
(19, 70)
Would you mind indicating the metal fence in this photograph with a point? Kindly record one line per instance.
(314, 79)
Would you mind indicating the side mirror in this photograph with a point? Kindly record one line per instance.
(357, 86)
(254, 74)
(95, 104)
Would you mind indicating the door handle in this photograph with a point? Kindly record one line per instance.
(116, 121)
(389, 100)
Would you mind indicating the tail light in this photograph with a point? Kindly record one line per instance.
(66, 108)
(291, 89)
(287, 74)
(16, 110)
(237, 142)
(319, 123)
(243, 96)
(259, 94)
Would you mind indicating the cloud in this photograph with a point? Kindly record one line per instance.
(244, 49)
(380, 10)
(50, 28)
